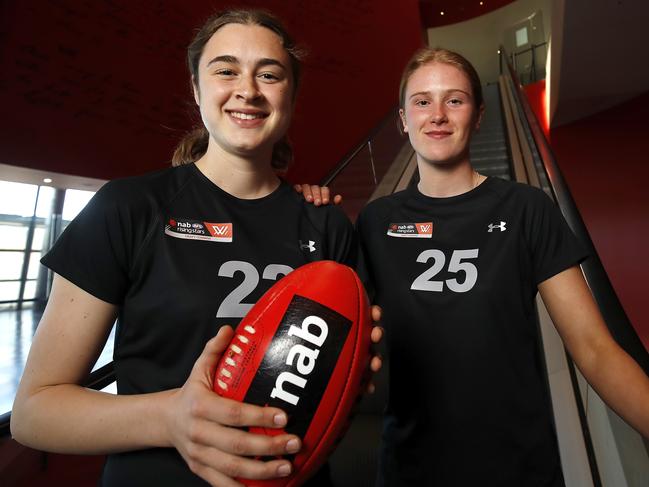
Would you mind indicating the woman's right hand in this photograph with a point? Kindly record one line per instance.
(208, 430)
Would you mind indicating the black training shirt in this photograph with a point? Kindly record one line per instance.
(456, 277)
(181, 258)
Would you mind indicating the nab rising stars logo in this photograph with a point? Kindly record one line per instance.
(308, 246)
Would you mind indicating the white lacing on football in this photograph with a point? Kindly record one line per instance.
(234, 349)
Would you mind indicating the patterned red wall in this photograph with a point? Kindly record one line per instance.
(100, 89)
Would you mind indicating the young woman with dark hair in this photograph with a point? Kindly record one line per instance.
(176, 256)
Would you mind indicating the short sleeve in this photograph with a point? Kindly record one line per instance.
(553, 246)
(342, 243)
(363, 269)
(94, 250)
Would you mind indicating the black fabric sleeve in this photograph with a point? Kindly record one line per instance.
(553, 246)
(94, 251)
(342, 243)
(362, 266)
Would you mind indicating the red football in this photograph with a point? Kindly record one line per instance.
(304, 348)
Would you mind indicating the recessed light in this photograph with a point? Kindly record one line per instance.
(481, 3)
(441, 13)
(47, 180)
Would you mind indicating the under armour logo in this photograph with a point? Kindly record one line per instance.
(310, 246)
(501, 226)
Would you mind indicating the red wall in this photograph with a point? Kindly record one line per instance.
(605, 160)
(100, 89)
(536, 95)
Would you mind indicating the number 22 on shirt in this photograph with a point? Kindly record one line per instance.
(233, 305)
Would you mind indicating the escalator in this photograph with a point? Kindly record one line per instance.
(596, 446)
(489, 154)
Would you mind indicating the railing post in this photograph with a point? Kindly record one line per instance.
(369, 146)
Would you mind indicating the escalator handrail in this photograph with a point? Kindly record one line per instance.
(351, 154)
(610, 306)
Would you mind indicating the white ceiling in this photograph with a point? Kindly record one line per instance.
(33, 176)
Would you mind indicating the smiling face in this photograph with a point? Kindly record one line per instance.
(439, 113)
(245, 90)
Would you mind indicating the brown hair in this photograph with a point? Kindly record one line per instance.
(428, 55)
(194, 145)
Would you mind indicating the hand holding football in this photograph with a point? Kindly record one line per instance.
(304, 348)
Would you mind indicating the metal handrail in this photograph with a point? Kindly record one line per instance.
(531, 49)
(614, 315)
(351, 154)
(606, 436)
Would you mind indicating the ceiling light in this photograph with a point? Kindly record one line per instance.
(441, 13)
(481, 3)
(47, 180)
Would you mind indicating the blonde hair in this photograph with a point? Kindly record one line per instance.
(428, 55)
(194, 144)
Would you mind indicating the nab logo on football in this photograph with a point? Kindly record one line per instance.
(306, 357)
(303, 355)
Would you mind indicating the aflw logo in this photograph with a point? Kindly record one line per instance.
(299, 361)
(221, 231)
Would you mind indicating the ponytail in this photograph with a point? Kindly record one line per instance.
(192, 147)
(282, 155)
